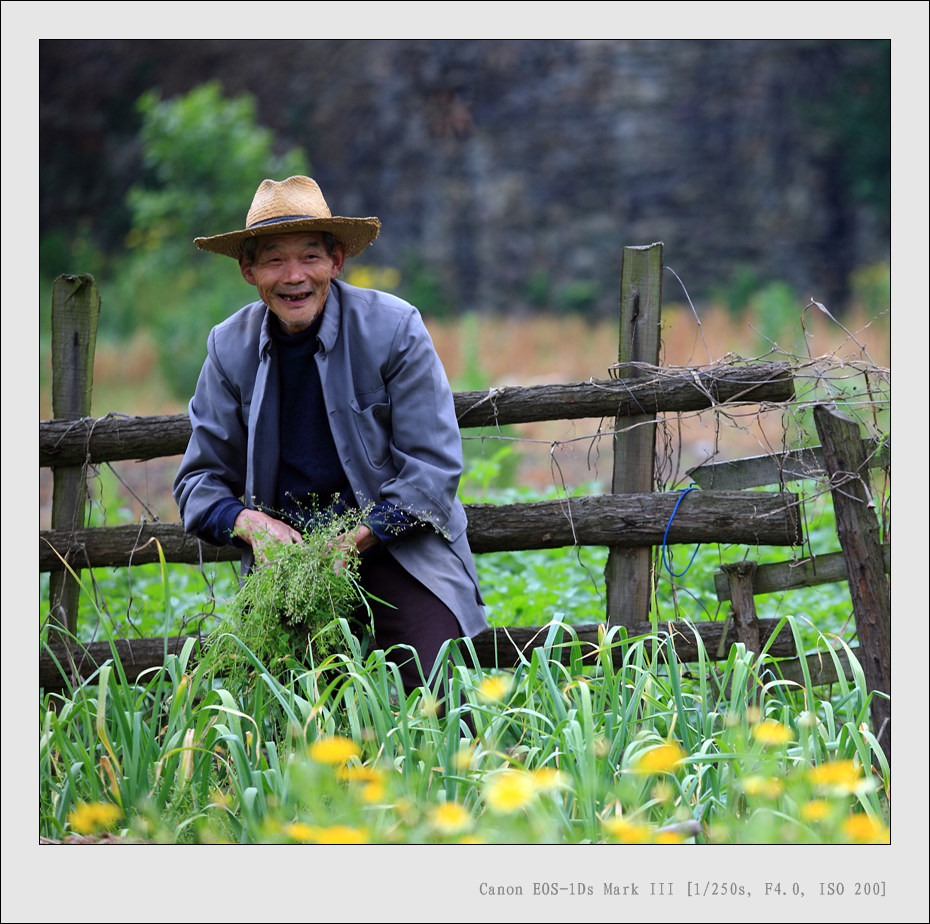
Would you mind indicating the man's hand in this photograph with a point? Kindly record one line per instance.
(262, 531)
(354, 544)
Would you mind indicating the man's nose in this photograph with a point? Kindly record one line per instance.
(294, 271)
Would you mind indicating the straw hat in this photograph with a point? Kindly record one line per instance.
(294, 204)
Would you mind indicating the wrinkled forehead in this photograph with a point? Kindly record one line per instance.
(299, 240)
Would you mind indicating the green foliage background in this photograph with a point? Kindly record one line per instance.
(204, 156)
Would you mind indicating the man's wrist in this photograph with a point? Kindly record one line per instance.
(364, 538)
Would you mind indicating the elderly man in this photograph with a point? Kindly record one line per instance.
(325, 390)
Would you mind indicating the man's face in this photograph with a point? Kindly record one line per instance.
(292, 273)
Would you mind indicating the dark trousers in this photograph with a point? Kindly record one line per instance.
(415, 617)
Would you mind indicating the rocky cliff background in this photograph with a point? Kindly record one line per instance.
(511, 173)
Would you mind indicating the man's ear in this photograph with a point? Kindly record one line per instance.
(245, 267)
(338, 258)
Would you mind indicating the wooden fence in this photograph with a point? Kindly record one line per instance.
(842, 462)
(630, 521)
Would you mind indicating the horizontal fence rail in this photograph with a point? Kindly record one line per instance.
(776, 468)
(756, 518)
(785, 575)
(117, 437)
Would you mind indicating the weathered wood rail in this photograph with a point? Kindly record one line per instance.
(626, 521)
(780, 467)
(118, 437)
(791, 575)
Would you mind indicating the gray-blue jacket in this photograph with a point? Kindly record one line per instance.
(392, 418)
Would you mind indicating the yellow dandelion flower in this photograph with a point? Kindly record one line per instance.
(510, 790)
(360, 774)
(768, 786)
(548, 778)
(661, 759)
(842, 775)
(369, 779)
(861, 829)
(627, 832)
(90, 817)
(298, 831)
(774, 787)
(815, 810)
(471, 839)
(450, 818)
(494, 688)
(334, 750)
(669, 837)
(770, 733)
(342, 834)
(373, 792)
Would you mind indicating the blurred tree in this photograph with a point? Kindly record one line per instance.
(204, 157)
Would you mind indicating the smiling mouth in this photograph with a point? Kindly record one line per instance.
(295, 296)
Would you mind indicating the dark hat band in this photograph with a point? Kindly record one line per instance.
(280, 218)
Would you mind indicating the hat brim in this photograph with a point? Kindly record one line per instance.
(355, 234)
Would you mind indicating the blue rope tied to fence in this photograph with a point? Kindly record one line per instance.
(665, 536)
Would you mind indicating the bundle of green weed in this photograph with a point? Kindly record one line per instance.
(288, 609)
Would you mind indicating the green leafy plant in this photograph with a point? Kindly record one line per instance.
(291, 608)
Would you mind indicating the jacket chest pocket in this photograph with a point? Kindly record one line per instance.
(372, 414)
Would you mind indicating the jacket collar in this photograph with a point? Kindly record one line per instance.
(265, 338)
(329, 329)
(332, 313)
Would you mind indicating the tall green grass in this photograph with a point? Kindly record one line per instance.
(572, 746)
(559, 750)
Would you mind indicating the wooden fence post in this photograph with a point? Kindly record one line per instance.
(740, 576)
(629, 570)
(857, 529)
(75, 310)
